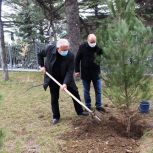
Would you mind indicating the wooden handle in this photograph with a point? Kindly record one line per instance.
(69, 93)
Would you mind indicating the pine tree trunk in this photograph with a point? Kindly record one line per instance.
(2, 48)
(72, 16)
(128, 127)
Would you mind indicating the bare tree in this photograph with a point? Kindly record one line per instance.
(73, 25)
(2, 48)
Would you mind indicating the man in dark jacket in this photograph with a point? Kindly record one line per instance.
(59, 62)
(90, 70)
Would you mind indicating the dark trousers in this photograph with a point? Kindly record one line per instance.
(54, 91)
(98, 91)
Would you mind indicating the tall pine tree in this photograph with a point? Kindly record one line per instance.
(28, 20)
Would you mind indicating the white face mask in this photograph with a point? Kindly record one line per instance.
(63, 53)
(92, 44)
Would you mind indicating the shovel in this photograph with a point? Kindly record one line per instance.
(92, 113)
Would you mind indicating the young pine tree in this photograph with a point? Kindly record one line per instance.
(126, 43)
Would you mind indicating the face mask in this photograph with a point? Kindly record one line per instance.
(63, 53)
(92, 44)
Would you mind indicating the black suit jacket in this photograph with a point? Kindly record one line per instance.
(49, 53)
(86, 57)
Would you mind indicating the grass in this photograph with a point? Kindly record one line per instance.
(1, 132)
(148, 134)
(1, 138)
(26, 116)
(151, 151)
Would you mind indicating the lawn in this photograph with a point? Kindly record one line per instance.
(26, 117)
(26, 120)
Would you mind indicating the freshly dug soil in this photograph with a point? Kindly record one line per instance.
(107, 136)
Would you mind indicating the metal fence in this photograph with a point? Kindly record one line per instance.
(23, 57)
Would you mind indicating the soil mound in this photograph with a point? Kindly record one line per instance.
(107, 136)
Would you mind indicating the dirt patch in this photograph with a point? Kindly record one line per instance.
(108, 136)
(21, 132)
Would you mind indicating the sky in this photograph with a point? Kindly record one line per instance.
(6, 9)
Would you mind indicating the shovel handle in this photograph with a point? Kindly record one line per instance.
(69, 93)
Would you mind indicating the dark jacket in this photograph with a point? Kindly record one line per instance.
(86, 56)
(49, 53)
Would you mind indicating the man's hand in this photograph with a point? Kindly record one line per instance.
(77, 74)
(64, 86)
(43, 70)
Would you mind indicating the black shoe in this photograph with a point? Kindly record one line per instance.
(84, 113)
(55, 121)
(100, 109)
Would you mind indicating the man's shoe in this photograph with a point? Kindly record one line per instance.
(55, 121)
(101, 109)
(84, 113)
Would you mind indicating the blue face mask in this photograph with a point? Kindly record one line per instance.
(63, 53)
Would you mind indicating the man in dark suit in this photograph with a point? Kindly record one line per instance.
(59, 62)
(90, 70)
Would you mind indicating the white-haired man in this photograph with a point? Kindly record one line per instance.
(59, 63)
